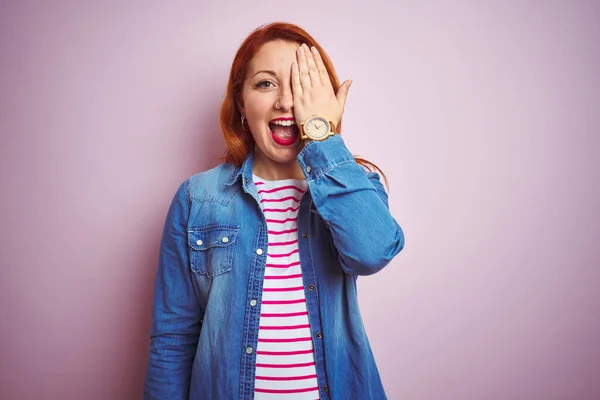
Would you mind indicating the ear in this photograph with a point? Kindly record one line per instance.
(240, 104)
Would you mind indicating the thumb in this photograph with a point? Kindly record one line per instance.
(342, 92)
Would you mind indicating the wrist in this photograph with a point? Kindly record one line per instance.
(316, 128)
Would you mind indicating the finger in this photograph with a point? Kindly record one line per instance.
(325, 80)
(313, 72)
(303, 69)
(296, 86)
(342, 93)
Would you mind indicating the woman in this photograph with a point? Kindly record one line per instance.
(255, 293)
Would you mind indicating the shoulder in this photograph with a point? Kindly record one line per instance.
(211, 183)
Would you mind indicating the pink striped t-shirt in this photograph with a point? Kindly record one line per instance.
(285, 362)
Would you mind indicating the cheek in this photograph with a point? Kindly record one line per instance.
(257, 106)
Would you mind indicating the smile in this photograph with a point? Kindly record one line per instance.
(284, 131)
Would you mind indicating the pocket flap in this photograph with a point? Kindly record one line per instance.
(211, 236)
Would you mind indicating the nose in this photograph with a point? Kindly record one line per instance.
(285, 102)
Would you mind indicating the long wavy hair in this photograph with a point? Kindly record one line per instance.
(240, 142)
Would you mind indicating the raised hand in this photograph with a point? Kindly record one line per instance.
(312, 89)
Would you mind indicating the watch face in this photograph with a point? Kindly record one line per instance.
(317, 127)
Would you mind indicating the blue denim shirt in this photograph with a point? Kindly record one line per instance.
(208, 291)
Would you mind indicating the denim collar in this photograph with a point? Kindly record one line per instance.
(245, 171)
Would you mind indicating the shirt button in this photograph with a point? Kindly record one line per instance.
(308, 169)
(252, 302)
(248, 350)
(225, 239)
(199, 242)
(311, 288)
(319, 335)
(326, 388)
(259, 252)
(304, 235)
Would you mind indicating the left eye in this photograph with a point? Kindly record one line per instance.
(264, 84)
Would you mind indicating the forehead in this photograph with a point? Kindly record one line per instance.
(275, 55)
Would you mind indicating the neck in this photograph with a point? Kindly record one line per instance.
(273, 171)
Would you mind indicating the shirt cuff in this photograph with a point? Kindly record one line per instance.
(318, 157)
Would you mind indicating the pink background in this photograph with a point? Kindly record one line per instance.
(484, 117)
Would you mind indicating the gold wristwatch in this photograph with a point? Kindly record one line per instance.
(316, 128)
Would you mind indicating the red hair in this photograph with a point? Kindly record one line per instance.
(239, 141)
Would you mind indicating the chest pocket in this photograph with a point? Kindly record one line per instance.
(211, 249)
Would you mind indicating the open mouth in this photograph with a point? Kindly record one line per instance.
(284, 131)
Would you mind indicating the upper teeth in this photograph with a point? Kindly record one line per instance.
(284, 123)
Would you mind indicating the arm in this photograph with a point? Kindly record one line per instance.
(176, 316)
(353, 204)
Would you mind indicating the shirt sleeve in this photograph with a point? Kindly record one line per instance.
(176, 314)
(354, 205)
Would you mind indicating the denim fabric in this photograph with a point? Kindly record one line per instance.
(208, 290)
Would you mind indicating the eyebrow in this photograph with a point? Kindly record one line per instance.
(266, 71)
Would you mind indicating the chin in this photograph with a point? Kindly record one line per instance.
(275, 152)
(287, 156)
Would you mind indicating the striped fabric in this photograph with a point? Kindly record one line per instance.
(285, 363)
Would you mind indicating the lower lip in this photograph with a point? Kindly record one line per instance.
(283, 142)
